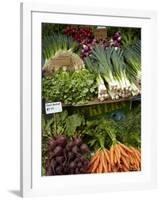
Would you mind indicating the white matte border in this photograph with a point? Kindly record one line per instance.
(31, 182)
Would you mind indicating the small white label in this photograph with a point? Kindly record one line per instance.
(54, 107)
(101, 27)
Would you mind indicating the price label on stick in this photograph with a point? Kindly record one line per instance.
(54, 107)
(100, 33)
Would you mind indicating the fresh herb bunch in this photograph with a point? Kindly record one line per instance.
(76, 87)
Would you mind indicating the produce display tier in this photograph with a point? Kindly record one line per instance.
(97, 102)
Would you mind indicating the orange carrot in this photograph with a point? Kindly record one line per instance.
(111, 156)
(116, 159)
(106, 152)
(114, 169)
(125, 147)
(125, 162)
(125, 169)
(122, 151)
(138, 152)
(114, 156)
(118, 151)
(97, 170)
(107, 156)
(137, 155)
(93, 159)
(89, 169)
(104, 161)
(100, 166)
(95, 164)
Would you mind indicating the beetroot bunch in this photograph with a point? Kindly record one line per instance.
(66, 156)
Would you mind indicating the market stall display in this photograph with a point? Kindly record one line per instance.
(97, 81)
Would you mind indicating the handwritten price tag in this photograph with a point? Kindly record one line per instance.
(54, 107)
(100, 33)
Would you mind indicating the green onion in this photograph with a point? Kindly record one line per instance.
(119, 68)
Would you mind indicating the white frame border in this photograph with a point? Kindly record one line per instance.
(26, 182)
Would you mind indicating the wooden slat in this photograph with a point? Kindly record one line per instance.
(97, 102)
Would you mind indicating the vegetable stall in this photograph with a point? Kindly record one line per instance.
(95, 73)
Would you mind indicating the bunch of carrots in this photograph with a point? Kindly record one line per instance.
(120, 158)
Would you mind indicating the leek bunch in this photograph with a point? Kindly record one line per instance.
(58, 42)
(118, 70)
(92, 67)
(132, 57)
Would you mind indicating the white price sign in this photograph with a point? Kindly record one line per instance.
(54, 107)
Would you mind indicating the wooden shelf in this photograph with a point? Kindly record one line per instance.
(97, 102)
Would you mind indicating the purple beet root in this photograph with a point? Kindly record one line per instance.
(71, 155)
(77, 171)
(59, 159)
(85, 163)
(84, 148)
(52, 144)
(79, 165)
(77, 141)
(58, 151)
(82, 170)
(49, 171)
(61, 140)
(59, 170)
(75, 149)
(51, 155)
(72, 165)
(69, 146)
(65, 156)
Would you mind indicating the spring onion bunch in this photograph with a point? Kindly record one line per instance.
(92, 67)
(132, 57)
(111, 67)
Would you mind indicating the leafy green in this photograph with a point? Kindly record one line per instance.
(72, 122)
(76, 87)
(129, 130)
(61, 123)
